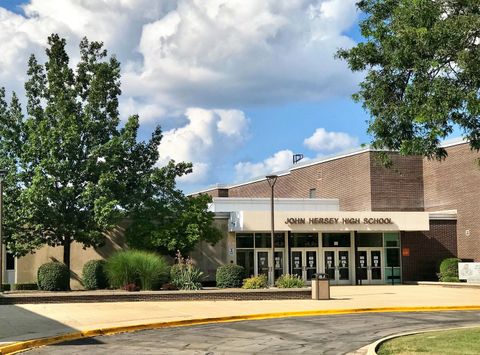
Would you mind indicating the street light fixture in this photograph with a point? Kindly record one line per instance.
(272, 179)
(3, 173)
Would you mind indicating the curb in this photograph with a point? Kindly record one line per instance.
(29, 344)
(372, 348)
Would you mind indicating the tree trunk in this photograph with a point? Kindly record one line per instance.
(66, 254)
(66, 251)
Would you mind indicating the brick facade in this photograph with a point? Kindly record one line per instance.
(454, 184)
(427, 250)
(361, 183)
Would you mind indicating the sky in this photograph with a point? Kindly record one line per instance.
(238, 86)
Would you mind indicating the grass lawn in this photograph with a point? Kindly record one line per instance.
(459, 341)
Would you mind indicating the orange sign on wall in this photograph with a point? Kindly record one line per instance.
(405, 251)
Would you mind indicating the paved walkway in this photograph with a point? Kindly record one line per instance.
(22, 322)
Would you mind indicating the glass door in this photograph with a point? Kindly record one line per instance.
(370, 266)
(337, 265)
(304, 263)
(278, 263)
(263, 263)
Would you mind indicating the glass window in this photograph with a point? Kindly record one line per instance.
(392, 257)
(369, 239)
(304, 240)
(245, 259)
(391, 240)
(279, 240)
(10, 262)
(263, 240)
(336, 240)
(312, 193)
(245, 240)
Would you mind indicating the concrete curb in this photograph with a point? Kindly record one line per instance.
(372, 348)
(34, 343)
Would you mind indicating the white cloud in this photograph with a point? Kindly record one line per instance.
(206, 140)
(324, 141)
(281, 160)
(178, 54)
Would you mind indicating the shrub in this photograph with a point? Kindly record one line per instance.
(93, 275)
(289, 281)
(6, 287)
(230, 275)
(254, 282)
(449, 270)
(22, 287)
(144, 269)
(184, 275)
(53, 276)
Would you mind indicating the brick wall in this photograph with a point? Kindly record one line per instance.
(399, 187)
(455, 184)
(427, 250)
(347, 179)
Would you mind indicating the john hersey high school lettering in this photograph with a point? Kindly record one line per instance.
(352, 218)
(346, 215)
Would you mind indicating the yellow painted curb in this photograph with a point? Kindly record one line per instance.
(29, 344)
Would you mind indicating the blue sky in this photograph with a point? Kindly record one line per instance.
(237, 86)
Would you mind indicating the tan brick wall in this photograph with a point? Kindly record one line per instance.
(455, 184)
(399, 187)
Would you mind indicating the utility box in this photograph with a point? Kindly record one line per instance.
(320, 287)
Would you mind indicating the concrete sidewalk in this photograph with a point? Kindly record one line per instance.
(23, 322)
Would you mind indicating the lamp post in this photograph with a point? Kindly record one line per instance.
(3, 172)
(272, 179)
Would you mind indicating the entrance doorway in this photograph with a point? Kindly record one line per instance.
(337, 265)
(304, 263)
(370, 266)
(263, 264)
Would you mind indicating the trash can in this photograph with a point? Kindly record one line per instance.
(320, 287)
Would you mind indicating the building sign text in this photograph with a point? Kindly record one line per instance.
(293, 220)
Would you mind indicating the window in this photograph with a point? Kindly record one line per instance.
(312, 193)
(303, 240)
(245, 240)
(245, 259)
(369, 239)
(391, 240)
(10, 261)
(336, 240)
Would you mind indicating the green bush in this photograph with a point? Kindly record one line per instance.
(186, 277)
(23, 287)
(230, 275)
(53, 276)
(290, 281)
(144, 269)
(6, 287)
(94, 276)
(254, 282)
(449, 270)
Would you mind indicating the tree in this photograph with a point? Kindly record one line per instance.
(423, 72)
(73, 174)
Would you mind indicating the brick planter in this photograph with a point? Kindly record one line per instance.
(122, 296)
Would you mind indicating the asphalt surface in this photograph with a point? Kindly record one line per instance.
(329, 334)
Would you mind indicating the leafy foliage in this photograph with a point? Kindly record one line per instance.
(94, 276)
(422, 60)
(449, 270)
(73, 173)
(184, 275)
(145, 270)
(229, 276)
(255, 282)
(290, 281)
(25, 286)
(53, 276)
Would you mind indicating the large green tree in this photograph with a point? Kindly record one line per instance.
(422, 63)
(73, 172)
